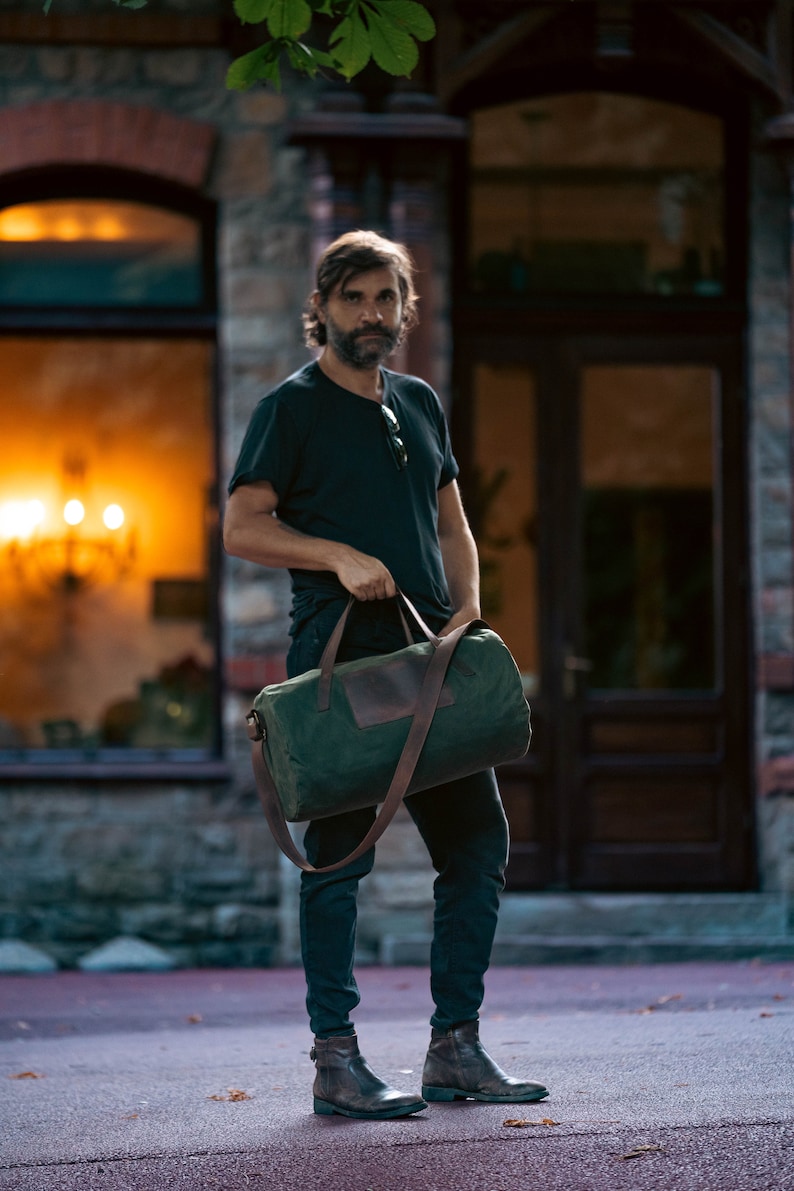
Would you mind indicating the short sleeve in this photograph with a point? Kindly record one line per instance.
(449, 464)
(270, 449)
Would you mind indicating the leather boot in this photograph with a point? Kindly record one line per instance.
(346, 1084)
(458, 1067)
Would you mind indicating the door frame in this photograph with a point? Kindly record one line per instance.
(556, 349)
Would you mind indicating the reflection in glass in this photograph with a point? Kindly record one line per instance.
(98, 252)
(503, 508)
(649, 549)
(118, 657)
(595, 192)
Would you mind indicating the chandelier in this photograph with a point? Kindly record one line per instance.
(58, 551)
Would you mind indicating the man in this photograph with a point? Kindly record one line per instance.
(346, 476)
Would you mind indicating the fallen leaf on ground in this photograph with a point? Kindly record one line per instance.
(195, 1017)
(26, 1075)
(766, 1015)
(638, 1151)
(520, 1123)
(235, 1094)
(669, 997)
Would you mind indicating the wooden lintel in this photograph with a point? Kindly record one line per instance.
(379, 127)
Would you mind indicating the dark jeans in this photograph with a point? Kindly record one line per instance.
(464, 828)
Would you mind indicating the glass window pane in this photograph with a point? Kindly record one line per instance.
(503, 508)
(105, 638)
(595, 192)
(648, 510)
(97, 252)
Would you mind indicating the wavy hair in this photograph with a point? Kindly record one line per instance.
(351, 254)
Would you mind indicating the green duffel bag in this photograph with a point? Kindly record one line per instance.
(342, 737)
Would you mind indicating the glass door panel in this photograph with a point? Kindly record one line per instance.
(502, 503)
(503, 508)
(648, 513)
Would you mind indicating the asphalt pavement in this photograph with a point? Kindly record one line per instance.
(671, 1077)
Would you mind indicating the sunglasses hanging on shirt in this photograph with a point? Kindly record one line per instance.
(396, 443)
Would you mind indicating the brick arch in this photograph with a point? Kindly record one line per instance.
(95, 132)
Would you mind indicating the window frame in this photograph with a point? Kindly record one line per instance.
(139, 322)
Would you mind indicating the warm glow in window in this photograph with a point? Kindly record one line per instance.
(98, 252)
(106, 639)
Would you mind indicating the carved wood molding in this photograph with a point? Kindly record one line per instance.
(486, 53)
(761, 67)
(752, 37)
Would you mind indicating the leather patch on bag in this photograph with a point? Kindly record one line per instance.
(388, 692)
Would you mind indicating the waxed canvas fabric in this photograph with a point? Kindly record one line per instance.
(325, 762)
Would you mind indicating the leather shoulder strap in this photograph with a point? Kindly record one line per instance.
(426, 704)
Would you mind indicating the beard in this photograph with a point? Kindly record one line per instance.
(357, 352)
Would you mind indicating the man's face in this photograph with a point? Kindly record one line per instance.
(363, 318)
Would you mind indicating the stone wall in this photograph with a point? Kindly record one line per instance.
(772, 507)
(187, 868)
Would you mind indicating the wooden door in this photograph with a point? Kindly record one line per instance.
(606, 488)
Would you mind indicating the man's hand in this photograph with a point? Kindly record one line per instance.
(365, 577)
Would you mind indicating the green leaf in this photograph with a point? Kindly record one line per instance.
(352, 49)
(408, 15)
(321, 58)
(306, 59)
(288, 18)
(253, 12)
(261, 63)
(394, 51)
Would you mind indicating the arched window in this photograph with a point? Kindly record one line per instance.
(107, 494)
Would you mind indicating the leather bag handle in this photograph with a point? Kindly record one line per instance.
(427, 701)
(328, 659)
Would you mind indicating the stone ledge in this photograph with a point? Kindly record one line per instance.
(414, 950)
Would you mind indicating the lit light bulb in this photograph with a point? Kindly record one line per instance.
(113, 517)
(73, 512)
(19, 518)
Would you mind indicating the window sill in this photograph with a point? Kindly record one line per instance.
(65, 765)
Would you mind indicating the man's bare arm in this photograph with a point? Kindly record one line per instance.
(253, 531)
(460, 558)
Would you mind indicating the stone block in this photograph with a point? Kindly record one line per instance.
(167, 923)
(19, 957)
(261, 107)
(126, 954)
(174, 68)
(244, 922)
(233, 954)
(15, 61)
(243, 167)
(71, 921)
(398, 891)
(44, 803)
(121, 881)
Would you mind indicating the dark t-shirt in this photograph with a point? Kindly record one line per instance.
(326, 452)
